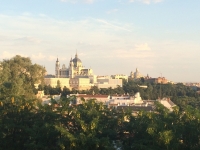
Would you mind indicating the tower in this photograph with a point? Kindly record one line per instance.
(57, 68)
(71, 69)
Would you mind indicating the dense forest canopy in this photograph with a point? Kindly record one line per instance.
(26, 124)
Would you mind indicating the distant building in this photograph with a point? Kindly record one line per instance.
(120, 102)
(107, 82)
(135, 75)
(167, 103)
(161, 80)
(120, 76)
(54, 82)
(46, 99)
(134, 103)
(74, 70)
(99, 98)
(108, 100)
(77, 77)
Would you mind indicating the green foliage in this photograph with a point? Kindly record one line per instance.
(18, 76)
(29, 125)
(65, 92)
(48, 90)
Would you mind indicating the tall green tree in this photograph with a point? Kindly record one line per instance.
(18, 76)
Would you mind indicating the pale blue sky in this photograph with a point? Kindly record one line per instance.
(111, 36)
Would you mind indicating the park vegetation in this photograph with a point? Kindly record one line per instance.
(27, 124)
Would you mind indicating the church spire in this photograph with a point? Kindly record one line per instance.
(76, 56)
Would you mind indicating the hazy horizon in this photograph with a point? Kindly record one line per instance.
(110, 37)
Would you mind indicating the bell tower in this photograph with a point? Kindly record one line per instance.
(71, 69)
(57, 68)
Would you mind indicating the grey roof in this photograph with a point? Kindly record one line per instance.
(76, 59)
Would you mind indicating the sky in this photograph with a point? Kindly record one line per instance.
(159, 37)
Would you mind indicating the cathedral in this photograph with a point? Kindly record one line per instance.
(75, 76)
(136, 75)
(75, 69)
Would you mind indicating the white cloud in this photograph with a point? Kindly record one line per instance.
(146, 1)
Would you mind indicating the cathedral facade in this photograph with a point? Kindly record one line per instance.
(75, 69)
(74, 76)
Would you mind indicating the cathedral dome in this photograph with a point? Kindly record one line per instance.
(137, 74)
(77, 62)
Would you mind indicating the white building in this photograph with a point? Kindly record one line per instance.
(136, 75)
(108, 82)
(125, 100)
(167, 103)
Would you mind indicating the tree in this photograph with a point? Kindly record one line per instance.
(18, 76)
(94, 90)
(65, 92)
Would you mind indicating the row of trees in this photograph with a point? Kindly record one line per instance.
(48, 90)
(24, 124)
